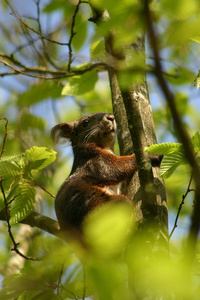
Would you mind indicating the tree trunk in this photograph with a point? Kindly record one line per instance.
(136, 131)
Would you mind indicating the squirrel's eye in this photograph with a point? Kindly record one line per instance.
(85, 123)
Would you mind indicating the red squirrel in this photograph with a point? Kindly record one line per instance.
(96, 172)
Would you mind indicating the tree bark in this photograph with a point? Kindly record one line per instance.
(136, 131)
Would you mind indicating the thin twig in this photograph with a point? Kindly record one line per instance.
(61, 26)
(13, 198)
(72, 34)
(37, 184)
(180, 206)
(48, 58)
(37, 32)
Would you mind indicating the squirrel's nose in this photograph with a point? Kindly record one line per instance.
(110, 117)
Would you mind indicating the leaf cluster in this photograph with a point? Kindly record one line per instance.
(17, 173)
(174, 155)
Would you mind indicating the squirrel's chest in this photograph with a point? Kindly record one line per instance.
(112, 190)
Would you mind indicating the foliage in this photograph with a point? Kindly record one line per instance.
(53, 68)
(18, 172)
(173, 155)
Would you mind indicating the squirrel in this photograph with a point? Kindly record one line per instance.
(96, 173)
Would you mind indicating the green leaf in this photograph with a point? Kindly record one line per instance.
(165, 148)
(103, 241)
(180, 33)
(32, 121)
(39, 158)
(180, 76)
(39, 92)
(97, 50)
(77, 288)
(54, 5)
(196, 142)
(11, 157)
(180, 9)
(2, 204)
(80, 84)
(170, 163)
(81, 26)
(23, 204)
(15, 285)
(9, 169)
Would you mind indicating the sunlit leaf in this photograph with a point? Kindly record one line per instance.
(196, 141)
(23, 203)
(81, 26)
(8, 168)
(180, 33)
(180, 9)
(77, 289)
(97, 50)
(39, 158)
(164, 148)
(11, 157)
(80, 84)
(106, 230)
(170, 163)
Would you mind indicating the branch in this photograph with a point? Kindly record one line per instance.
(72, 34)
(36, 72)
(35, 219)
(183, 135)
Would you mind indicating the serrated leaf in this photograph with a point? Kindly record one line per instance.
(39, 158)
(9, 169)
(97, 50)
(196, 141)
(32, 121)
(164, 148)
(170, 163)
(39, 92)
(23, 204)
(11, 157)
(80, 84)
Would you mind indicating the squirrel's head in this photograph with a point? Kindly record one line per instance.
(99, 128)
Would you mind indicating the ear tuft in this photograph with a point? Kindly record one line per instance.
(63, 130)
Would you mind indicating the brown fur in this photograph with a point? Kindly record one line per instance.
(96, 171)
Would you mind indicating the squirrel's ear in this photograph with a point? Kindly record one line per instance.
(62, 130)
